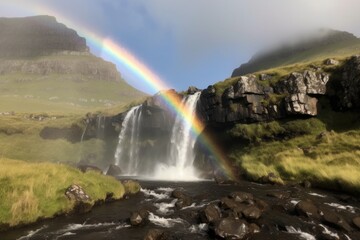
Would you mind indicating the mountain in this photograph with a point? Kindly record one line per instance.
(323, 44)
(46, 66)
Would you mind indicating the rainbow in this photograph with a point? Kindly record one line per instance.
(139, 69)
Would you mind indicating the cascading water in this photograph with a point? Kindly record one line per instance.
(127, 152)
(175, 163)
(181, 159)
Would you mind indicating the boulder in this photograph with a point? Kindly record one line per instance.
(114, 170)
(155, 234)
(231, 228)
(251, 213)
(247, 85)
(211, 213)
(307, 209)
(356, 222)
(139, 218)
(334, 220)
(241, 196)
(315, 82)
(184, 200)
(301, 104)
(76, 193)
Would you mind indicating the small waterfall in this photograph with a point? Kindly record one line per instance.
(127, 152)
(180, 162)
(100, 128)
(174, 161)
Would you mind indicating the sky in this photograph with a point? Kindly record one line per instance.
(193, 42)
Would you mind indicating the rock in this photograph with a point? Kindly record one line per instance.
(184, 200)
(76, 193)
(192, 90)
(211, 213)
(82, 207)
(227, 203)
(350, 93)
(86, 168)
(356, 222)
(315, 82)
(231, 228)
(251, 213)
(261, 204)
(114, 170)
(264, 77)
(241, 196)
(253, 228)
(306, 184)
(334, 220)
(294, 84)
(155, 234)
(331, 61)
(247, 85)
(139, 218)
(301, 104)
(307, 209)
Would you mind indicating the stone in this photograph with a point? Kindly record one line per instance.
(247, 85)
(191, 90)
(315, 82)
(241, 196)
(265, 76)
(184, 200)
(76, 193)
(307, 209)
(114, 170)
(356, 221)
(306, 184)
(231, 228)
(301, 104)
(211, 213)
(334, 220)
(349, 94)
(227, 203)
(331, 61)
(251, 213)
(139, 218)
(154, 234)
(253, 228)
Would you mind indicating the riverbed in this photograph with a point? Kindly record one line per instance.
(279, 220)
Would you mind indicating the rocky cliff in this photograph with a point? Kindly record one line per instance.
(37, 36)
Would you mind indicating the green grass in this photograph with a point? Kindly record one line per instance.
(86, 84)
(30, 191)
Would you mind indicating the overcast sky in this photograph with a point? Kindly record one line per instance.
(195, 42)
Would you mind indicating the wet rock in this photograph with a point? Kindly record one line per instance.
(253, 228)
(356, 222)
(334, 220)
(331, 61)
(210, 214)
(156, 234)
(86, 168)
(251, 213)
(76, 193)
(279, 195)
(184, 200)
(231, 228)
(306, 184)
(82, 207)
(307, 209)
(139, 218)
(241, 196)
(227, 203)
(261, 204)
(114, 170)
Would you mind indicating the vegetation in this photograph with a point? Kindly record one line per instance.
(324, 150)
(25, 198)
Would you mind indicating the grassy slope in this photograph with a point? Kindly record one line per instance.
(25, 198)
(57, 93)
(338, 49)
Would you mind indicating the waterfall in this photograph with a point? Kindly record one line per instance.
(126, 155)
(172, 162)
(180, 162)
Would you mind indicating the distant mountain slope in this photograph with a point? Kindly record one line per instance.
(326, 43)
(45, 66)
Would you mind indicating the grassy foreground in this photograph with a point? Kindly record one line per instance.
(29, 191)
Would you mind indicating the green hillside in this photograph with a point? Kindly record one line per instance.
(329, 44)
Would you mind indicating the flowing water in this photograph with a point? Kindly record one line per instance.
(110, 221)
(176, 165)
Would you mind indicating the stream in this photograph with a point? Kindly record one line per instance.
(278, 221)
